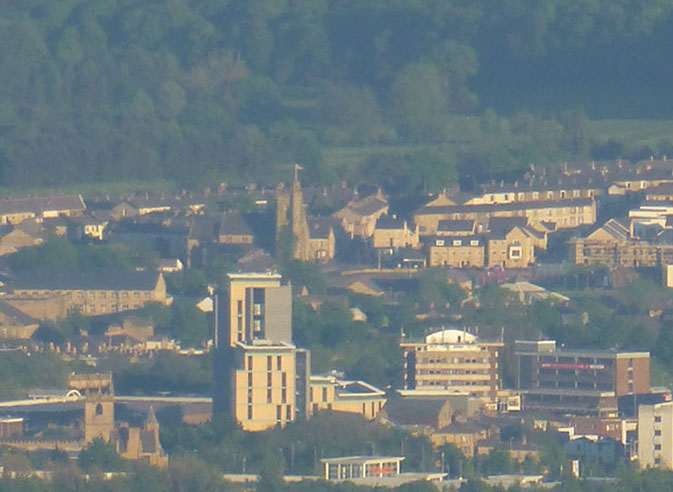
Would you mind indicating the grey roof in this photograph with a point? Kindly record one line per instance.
(147, 441)
(463, 428)
(233, 224)
(105, 280)
(18, 316)
(319, 228)
(506, 224)
(369, 205)
(414, 411)
(488, 208)
(41, 204)
(662, 189)
(389, 222)
(202, 228)
(455, 226)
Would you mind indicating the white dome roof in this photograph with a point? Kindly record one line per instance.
(450, 336)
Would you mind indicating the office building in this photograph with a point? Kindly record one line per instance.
(452, 361)
(584, 382)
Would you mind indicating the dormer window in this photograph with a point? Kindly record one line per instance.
(457, 242)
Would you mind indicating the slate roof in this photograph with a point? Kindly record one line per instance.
(319, 228)
(414, 411)
(147, 442)
(389, 222)
(488, 208)
(18, 316)
(41, 204)
(233, 224)
(455, 226)
(95, 280)
(202, 228)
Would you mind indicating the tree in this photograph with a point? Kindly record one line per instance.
(100, 455)
(418, 102)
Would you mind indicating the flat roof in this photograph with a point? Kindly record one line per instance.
(255, 275)
(587, 353)
(264, 344)
(361, 460)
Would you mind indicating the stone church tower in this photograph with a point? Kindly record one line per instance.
(98, 392)
(291, 212)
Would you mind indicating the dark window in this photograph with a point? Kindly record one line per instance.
(99, 409)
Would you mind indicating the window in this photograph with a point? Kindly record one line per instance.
(279, 412)
(288, 413)
(283, 396)
(474, 242)
(657, 433)
(324, 394)
(657, 447)
(284, 379)
(657, 419)
(269, 395)
(136, 295)
(125, 295)
(249, 412)
(269, 359)
(269, 380)
(99, 409)
(103, 295)
(457, 242)
(439, 242)
(250, 380)
(279, 362)
(249, 362)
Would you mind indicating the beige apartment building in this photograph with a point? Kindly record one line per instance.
(452, 361)
(359, 217)
(456, 251)
(612, 245)
(331, 393)
(258, 306)
(655, 436)
(514, 249)
(264, 384)
(92, 293)
(394, 233)
(261, 378)
(541, 215)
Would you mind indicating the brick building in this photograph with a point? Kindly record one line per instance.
(583, 382)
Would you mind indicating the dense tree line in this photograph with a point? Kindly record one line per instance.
(232, 89)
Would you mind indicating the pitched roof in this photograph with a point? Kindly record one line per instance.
(490, 208)
(148, 442)
(202, 228)
(614, 228)
(389, 222)
(319, 228)
(455, 226)
(415, 411)
(95, 280)
(233, 224)
(41, 204)
(16, 315)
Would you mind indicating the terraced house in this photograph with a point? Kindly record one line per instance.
(94, 293)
